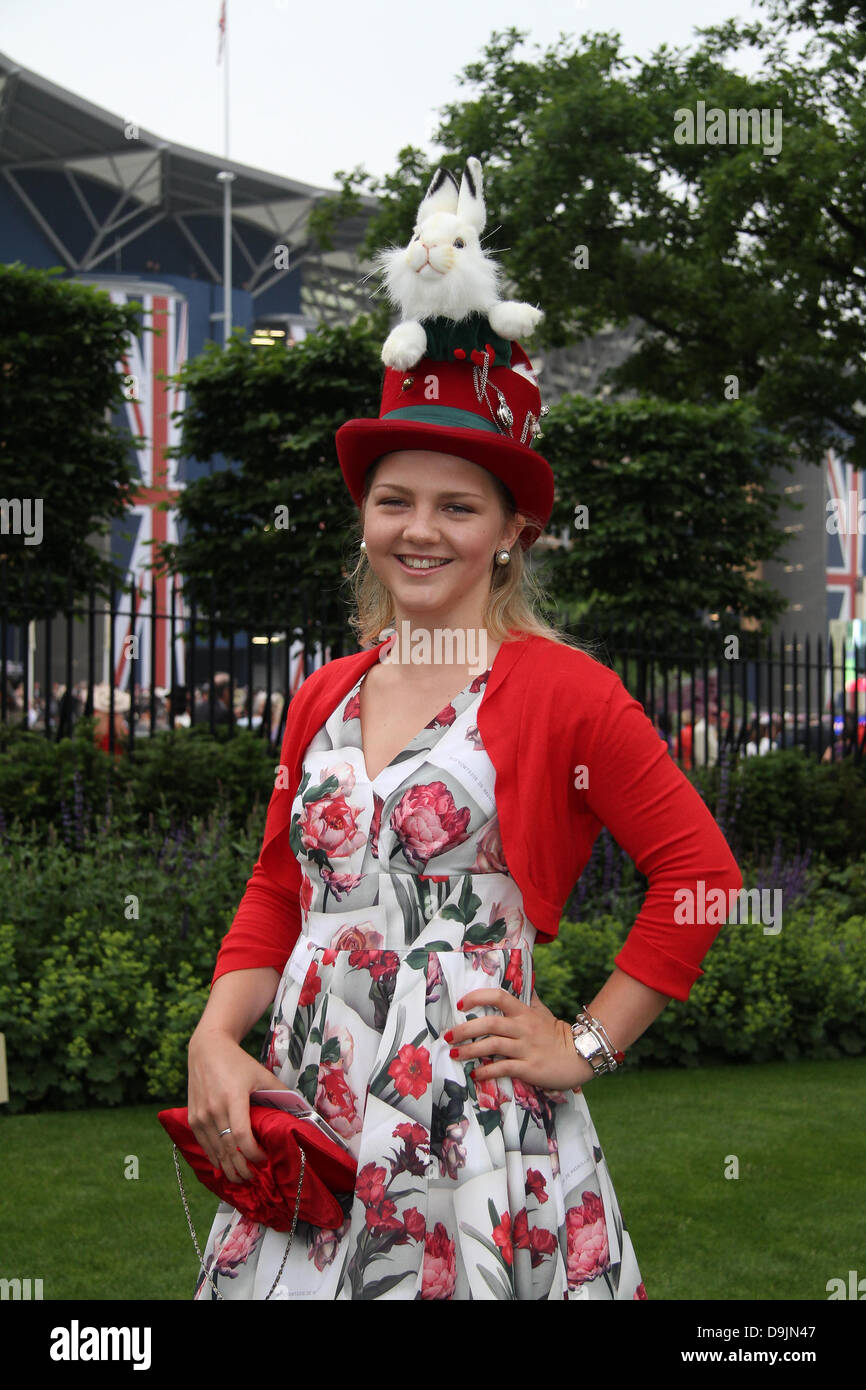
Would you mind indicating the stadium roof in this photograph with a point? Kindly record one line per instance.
(45, 128)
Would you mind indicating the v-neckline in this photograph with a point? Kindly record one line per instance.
(399, 754)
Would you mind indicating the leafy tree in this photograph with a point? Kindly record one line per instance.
(272, 531)
(59, 345)
(739, 261)
(668, 511)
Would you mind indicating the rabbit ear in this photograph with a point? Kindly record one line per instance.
(470, 204)
(441, 196)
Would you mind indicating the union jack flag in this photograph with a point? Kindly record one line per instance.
(149, 405)
(846, 546)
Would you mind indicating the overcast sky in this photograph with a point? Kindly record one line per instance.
(314, 87)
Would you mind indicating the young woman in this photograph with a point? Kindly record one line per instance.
(436, 805)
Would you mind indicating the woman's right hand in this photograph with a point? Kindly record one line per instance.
(221, 1077)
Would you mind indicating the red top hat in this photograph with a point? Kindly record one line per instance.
(481, 403)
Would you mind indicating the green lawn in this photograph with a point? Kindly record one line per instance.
(792, 1220)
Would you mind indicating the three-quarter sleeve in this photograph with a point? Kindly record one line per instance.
(266, 925)
(268, 919)
(658, 817)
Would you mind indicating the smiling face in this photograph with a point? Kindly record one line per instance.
(426, 505)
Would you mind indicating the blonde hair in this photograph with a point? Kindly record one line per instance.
(515, 596)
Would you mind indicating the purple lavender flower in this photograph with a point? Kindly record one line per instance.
(67, 823)
(80, 834)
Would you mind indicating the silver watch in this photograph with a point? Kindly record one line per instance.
(593, 1046)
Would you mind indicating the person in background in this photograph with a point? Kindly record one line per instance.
(222, 699)
(683, 740)
(242, 718)
(845, 737)
(101, 710)
(662, 728)
(705, 738)
(761, 741)
(179, 698)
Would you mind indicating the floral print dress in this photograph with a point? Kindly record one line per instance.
(494, 1190)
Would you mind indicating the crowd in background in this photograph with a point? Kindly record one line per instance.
(694, 744)
(65, 712)
(697, 741)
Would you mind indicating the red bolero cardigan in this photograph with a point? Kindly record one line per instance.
(547, 709)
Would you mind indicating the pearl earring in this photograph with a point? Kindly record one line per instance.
(503, 557)
(363, 545)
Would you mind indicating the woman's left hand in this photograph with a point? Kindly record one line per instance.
(531, 1043)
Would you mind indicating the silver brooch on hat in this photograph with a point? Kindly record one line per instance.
(503, 416)
(535, 427)
(503, 411)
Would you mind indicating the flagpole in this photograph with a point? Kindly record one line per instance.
(226, 179)
(226, 81)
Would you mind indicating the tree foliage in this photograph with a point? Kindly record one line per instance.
(274, 527)
(59, 345)
(736, 260)
(668, 510)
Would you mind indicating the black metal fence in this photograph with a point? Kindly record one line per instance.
(223, 673)
(55, 666)
(782, 692)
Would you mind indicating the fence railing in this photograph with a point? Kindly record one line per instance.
(704, 700)
(785, 692)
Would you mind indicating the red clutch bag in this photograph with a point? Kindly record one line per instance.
(302, 1172)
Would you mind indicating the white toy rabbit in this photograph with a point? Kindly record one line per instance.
(444, 274)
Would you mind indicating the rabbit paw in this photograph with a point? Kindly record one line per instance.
(511, 319)
(405, 345)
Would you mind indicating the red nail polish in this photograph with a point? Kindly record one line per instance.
(460, 1003)
(454, 1051)
(449, 1036)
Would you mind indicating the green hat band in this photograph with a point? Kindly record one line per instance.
(441, 415)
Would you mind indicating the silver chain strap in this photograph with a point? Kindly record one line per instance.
(192, 1228)
(502, 416)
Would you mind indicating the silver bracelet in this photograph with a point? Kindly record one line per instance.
(592, 1043)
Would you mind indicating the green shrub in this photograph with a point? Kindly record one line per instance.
(788, 798)
(783, 797)
(171, 778)
(111, 917)
(106, 956)
(801, 993)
